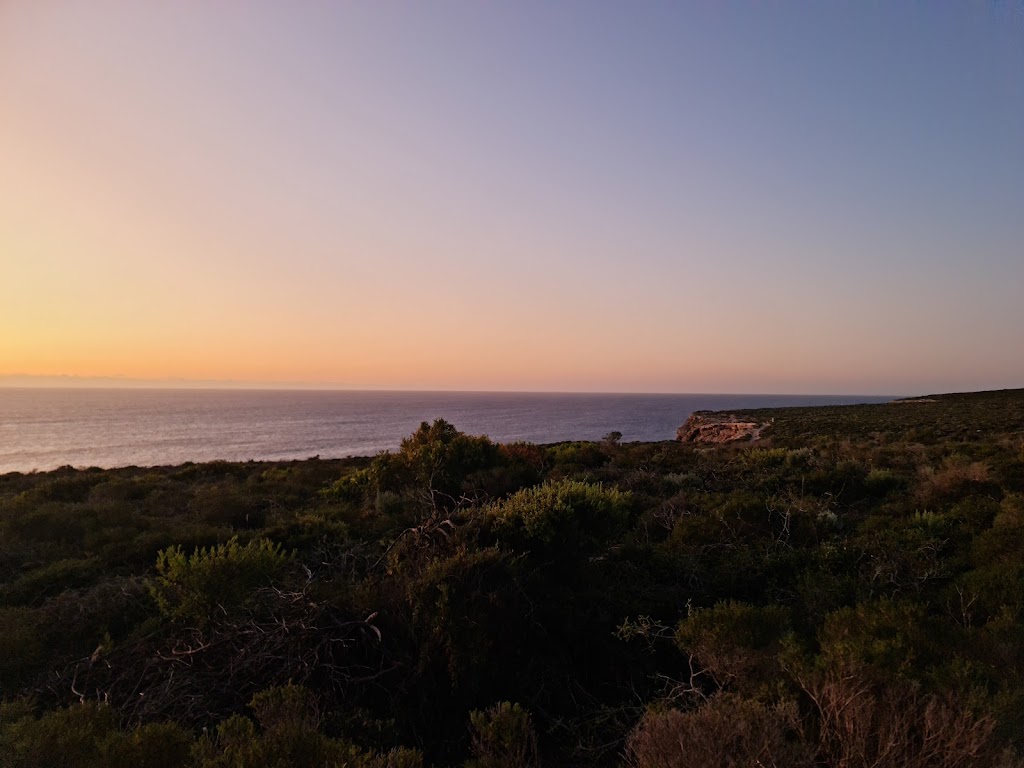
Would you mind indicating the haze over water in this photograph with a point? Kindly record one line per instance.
(43, 429)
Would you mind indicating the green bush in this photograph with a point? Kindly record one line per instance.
(215, 581)
(433, 463)
(562, 517)
(21, 648)
(873, 578)
(51, 523)
(891, 637)
(52, 579)
(736, 643)
(351, 487)
(578, 455)
(461, 606)
(879, 482)
(87, 736)
(289, 735)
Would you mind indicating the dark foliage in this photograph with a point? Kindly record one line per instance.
(848, 591)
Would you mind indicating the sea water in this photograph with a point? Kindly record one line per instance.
(44, 428)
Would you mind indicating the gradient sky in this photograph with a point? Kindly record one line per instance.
(675, 197)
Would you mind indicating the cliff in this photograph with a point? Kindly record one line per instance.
(708, 427)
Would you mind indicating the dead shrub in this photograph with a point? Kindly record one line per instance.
(503, 737)
(865, 724)
(952, 479)
(727, 732)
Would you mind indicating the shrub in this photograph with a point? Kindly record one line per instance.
(763, 458)
(503, 737)
(289, 735)
(727, 732)
(229, 504)
(578, 455)
(351, 487)
(879, 482)
(153, 745)
(74, 486)
(894, 725)
(954, 478)
(217, 580)
(434, 461)
(462, 607)
(51, 523)
(21, 649)
(86, 736)
(888, 636)
(76, 622)
(735, 642)
(52, 579)
(566, 516)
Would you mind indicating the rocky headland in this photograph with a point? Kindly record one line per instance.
(712, 427)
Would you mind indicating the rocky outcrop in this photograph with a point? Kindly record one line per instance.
(709, 427)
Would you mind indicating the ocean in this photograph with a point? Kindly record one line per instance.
(42, 429)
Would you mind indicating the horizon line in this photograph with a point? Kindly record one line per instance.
(71, 381)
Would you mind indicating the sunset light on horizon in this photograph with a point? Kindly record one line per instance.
(697, 197)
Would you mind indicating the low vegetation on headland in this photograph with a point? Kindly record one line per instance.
(846, 592)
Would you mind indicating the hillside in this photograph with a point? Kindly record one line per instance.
(846, 590)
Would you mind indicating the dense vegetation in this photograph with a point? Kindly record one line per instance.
(847, 592)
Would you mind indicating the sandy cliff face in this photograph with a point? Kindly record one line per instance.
(717, 428)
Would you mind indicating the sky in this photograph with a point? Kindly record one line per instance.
(796, 197)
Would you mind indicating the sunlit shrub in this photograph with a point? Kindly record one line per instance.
(566, 516)
(433, 464)
(683, 479)
(763, 458)
(217, 580)
(351, 487)
(882, 481)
